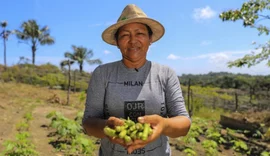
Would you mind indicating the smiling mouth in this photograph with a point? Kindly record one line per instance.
(133, 49)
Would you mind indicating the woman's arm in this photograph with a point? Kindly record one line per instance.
(94, 127)
(93, 120)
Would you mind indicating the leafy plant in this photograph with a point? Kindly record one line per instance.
(20, 147)
(22, 126)
(28, 116)
(65, 128)
(265, 153)
(267, 134)
(239, 145)
(190, 152)
(72, 140)
(213, 133)
(210, 147)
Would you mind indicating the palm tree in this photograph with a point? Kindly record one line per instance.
(5, 34)
(81, 54)
(67, 63)
(33, 35)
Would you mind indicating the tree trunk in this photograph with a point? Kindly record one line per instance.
(188, 101)
(191, 97)
(236, 100)
(81, 68)
(5, 61)
(33, 54)
(267, 93)
(69, 77)
(74, 81)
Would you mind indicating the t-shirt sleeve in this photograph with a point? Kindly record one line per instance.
(174, 97)
(95, 96)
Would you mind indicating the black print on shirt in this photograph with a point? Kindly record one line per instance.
(133, 83)
(138, 151)
(134, 109)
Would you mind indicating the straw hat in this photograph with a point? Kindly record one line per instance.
(131, 14)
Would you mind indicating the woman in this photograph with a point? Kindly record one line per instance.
(137, 88)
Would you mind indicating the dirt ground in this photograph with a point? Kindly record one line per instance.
(14, 104)
(17, 100)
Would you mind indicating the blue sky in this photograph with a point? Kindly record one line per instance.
(196, 41)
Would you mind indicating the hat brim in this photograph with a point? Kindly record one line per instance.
(156, 27)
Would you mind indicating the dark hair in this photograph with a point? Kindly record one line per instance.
(150, 32)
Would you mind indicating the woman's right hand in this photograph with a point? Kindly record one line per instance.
(112, 122)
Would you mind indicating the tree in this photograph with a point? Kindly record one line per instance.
(81, 54)
(5, 34)
(251, 13)
(33, 35)
(67, 63)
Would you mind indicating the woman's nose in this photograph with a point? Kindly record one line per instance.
(132, 39)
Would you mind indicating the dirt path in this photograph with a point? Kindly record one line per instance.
(11, 114)
(39, 131)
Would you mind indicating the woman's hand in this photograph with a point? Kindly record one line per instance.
(112, 122)
(157, 123)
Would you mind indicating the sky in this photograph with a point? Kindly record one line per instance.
(196, 41)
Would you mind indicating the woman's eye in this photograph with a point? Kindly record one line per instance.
(123, 35)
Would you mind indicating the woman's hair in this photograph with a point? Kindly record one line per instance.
(150, 32)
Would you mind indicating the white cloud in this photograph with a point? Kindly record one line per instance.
(205, 43)
(107, 52)
(218, 57)
(173, 57)
(218, 62)
(203, 13)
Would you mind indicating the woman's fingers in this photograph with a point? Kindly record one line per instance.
(133, 147)
(114, 121)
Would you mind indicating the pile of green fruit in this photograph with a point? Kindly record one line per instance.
(130, 131)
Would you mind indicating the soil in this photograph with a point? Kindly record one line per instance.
(13, 107)
(253, 116)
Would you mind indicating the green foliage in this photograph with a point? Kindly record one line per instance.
(189, 152)
(213, 133)
(257, 134)
(79, 145)
(210, 147)
(28, 116)
(65, 128)
(267, 134)
(265, 153)
(82, 96)
(52, 79)
(195, 131)
(79, 117)
(69, 133)
(20, 147)
(22, 126)
(80, 55)
(34, 35)
(251, 13)
(239, 145)
(43, 75)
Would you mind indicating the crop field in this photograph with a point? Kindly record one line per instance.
(37, 121)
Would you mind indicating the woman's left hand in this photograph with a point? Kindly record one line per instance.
(157, 123)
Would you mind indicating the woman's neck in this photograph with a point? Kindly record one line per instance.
(135, 65)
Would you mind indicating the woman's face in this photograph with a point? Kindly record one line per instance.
(133, 41)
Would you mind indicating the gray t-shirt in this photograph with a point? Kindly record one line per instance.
(115, 90)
